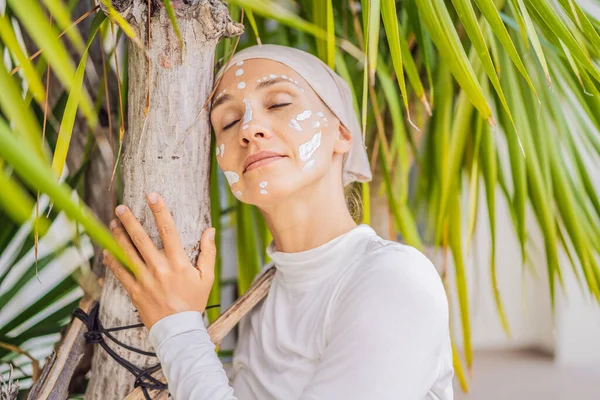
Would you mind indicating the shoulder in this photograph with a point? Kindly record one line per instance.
(396, 276)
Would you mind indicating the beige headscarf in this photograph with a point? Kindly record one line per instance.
(330, 87)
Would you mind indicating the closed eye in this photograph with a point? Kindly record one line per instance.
(230, 124)
(279, 105)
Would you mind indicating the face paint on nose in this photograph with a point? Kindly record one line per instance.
(307, 149)
(231, 177)
(247, 112)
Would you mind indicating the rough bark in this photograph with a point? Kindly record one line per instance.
(166, 151)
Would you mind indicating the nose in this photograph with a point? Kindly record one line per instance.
(255, 131)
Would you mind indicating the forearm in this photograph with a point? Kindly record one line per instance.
(188, 358)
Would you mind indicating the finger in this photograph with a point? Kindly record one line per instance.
(119, 271)
(208, 253)
(123, 239)
(167, 229)
(138, 235)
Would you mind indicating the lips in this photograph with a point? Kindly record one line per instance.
(261, 158)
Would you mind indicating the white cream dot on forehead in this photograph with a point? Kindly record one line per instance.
(239, 63)
(272, 76)
(239, 72)
(241, 85)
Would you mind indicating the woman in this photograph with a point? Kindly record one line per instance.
(349, 315)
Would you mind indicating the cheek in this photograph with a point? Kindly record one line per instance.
(311, 124)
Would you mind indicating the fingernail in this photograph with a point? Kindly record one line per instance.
(152, 198)
(120, 209)
(211, 234)
(113, 224)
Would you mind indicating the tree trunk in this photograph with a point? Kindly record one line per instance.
(166, 151)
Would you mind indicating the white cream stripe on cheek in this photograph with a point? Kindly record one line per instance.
(247, 112)
(239, 72)
(221, 149)
(231, 177)
(304, 115)
(309, 165)
(294, 124)
(263, 187)
(307, 149)
(320, 114)
(238, 194)
(241, 85)
(316, 124)
(245, 126)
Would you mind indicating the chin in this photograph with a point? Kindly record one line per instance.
(268, 189)
(268, 186)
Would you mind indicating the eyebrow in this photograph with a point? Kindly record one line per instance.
(222, 99)
(226, 96)
(270, 82)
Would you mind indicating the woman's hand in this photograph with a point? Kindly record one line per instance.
(167, 282)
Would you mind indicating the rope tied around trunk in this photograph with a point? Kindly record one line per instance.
(95, 335)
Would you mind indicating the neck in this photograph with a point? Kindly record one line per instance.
(316, 216)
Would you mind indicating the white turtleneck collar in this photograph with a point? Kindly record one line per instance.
(311, 266)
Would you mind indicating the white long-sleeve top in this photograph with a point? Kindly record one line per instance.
(359, 317)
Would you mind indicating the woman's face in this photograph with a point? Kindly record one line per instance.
(274, 135)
